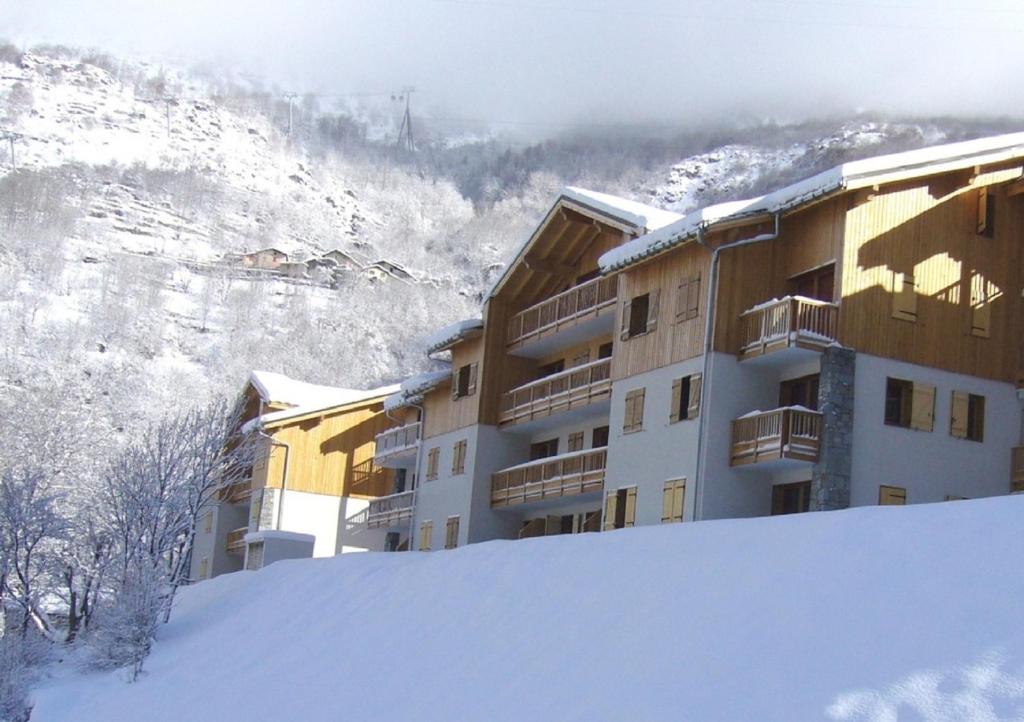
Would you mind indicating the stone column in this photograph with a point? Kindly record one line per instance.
(830, 480)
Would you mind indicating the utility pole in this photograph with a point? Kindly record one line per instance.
(405, 130)
(11, 136)
(290, 97)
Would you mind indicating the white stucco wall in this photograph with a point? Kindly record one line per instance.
(212, 545)
(315, 514)
(930, 465)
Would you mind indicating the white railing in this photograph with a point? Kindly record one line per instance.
(565, 390)
(389, 511)
(395, 441)
(788, 433)
(789, 321)
(577, 472)
(567, 307)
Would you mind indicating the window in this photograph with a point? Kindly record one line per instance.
(204, 568)
(800, 392)
(909, 404)
(685, 398)
(634, 418)
(459, 457)
(554, 367)
(426, 535)
(532, 528)
(673, 497)
(986, 213)
(818, 284)
(904, 297)
(892, 495)
(967, 416)
(543, 449)
(451, 532)
(688, 299)
(604, 350)
(599, 437)
(576, 441)
(464, 381)
(640, 315)
(620, 508)
(791, 498)
(208, 522)
(433, 460)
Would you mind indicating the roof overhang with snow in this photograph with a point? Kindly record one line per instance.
(412, 390)
(851, 176)
(453, 334)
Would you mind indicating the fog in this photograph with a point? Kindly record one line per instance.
(541, 65)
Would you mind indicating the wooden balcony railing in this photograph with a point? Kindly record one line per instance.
(390, 511)
(788, 433)
(564, 310)
(793, 321)
(397, 441)
(1017, 469)
(578, 472)
(571, 389)
(236, 493)
(236, 540)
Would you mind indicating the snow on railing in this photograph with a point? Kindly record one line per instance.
(792, 432)
(787, 321)
(565, 308)
(390, 510)
(578, 386)
(577, 472)
(398, 439)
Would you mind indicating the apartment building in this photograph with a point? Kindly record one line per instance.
(852, 339)
(311, 483)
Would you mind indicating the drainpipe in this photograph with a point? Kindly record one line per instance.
(698, 500)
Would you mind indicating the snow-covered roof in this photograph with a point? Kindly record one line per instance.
(636, 214)
(412, 389)
(452, 334)
(304, 398)
(848, 176)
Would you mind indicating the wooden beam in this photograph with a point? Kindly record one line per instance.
(543, 265)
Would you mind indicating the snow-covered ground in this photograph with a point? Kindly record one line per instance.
(869, 614)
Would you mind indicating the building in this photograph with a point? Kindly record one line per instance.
(852, 339)
(267, 259)
(312, 480)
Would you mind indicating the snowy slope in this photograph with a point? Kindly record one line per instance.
(867, 614)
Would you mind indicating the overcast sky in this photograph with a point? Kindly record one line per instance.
(542, 63)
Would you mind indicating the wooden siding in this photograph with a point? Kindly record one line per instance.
(444, 414)
(752, 274)
(332, 454)
(927, 230)
(669, 342)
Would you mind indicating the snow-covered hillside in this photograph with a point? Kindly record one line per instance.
(868, 614)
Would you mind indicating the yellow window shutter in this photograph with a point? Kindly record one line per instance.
(677, 392)
(611, 502)
(638, 409)
(693, 298)
(666, 502)
(682, 293)
(472, 379)
(627, 307)
(904, 299)
(892, 495)
(627, 417)
(678, 499)
(630, 506)
(922, 410)
(958, 414)
(693, 407)
(983, 219)
(653, 303)
(455, 384)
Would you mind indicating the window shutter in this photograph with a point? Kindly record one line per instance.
(472, 379)
(576, 441)
(922, 409)
(904, 299)
(208, 522)
(666, 503)
(682, 292)
(693, 298)
(652, 309)
(455, 384)
(426, 532)
(958, 414)
(630, 506)
(981, 307)
(627, 417)
(610, 503)
(677, 392)
(626, 308)
(892, 495)
(204, 565)
(678, 497)
(983, 209)
(693, 405)
(451, 533)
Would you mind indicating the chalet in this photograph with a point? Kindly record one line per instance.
(383, 270)
(311, 483)
(342, 260)
(852, 339)
(267, 259)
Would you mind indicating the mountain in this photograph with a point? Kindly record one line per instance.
(135, 187)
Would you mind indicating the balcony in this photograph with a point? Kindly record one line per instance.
(567, 390)
(237, 493)
(397, 445)
(801, 326)
(235, 543)
(783, 437)
(579, 472)
(1017, 469)
(392, 511)
(564, 320)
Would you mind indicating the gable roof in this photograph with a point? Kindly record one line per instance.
(450, 335)
(411, 390)
(845, 177)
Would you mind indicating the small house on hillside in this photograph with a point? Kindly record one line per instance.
(266, 258)
(344, 261)
(382, 270)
